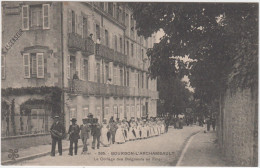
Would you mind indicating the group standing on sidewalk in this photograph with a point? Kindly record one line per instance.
(107, 133)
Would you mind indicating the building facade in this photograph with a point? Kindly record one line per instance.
(71, 59)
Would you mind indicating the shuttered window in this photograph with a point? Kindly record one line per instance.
(46, 16)
(40, 65)
(26, 64)
(25, 17)
(85, 112)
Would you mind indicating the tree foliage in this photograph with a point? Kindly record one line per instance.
(222, 38)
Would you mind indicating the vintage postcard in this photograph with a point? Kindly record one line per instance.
(91, 83)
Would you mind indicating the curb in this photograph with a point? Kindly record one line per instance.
(174, 163)
(10, 162)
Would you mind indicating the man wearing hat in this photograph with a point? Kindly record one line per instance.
(57, 131)
(96, 133)
(85, 129)
(73, 136)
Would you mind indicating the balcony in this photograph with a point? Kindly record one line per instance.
(89, 46)
(119, 57)
(104, 51)
(75, 42)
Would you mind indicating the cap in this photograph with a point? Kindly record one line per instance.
(56, 116)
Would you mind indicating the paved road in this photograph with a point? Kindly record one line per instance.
(167, 148)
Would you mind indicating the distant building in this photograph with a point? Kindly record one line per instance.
(62, 62)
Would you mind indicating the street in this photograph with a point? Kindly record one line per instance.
(163, 150)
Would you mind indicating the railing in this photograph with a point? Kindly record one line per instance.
(119, 57)
(75, 42)
(93, 88)
(104, 51)
(89, 46)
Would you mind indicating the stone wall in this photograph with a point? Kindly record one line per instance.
(238, 126)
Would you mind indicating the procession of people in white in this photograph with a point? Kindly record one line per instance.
(132, 130)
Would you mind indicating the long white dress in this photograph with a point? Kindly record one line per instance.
(119, 137)
(130, 132)
(137, 131)
(144, 131)
(103, 138)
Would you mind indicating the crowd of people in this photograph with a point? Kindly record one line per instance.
(106, 133)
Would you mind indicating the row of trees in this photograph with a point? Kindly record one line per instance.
(220, 38)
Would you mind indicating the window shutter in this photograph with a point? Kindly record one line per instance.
(46, 16)
(25, 17)
(26, 64)
(69, 21)
(68, 67)
(40, 65)
(3, 67)
(81, 25)
(89, 65)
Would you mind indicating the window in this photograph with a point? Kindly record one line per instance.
(107, 112)
(110, 8)
(115, 76)
(38, 120)
(133, 111)
(3, 64)
(98, 73)
(127, 20)
(73, 113)
(115, 43)
(127, 48)
(85, 27)
(85, 68)
(102, 5)
(127, 78)
(115, 112)
(142, 80)
(147, 80)
(142, 51)
(97, 31)
(37, 15)
(106, 38)
(107, 72)
(127, 112)
(121, 77)
(121, 45)
(73, 19)
(121, 112)
(132, 49)
(85, 112)
(33, 65)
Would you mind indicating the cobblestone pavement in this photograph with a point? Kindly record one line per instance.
(166, 148)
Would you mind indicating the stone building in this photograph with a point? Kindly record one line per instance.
(71, 59)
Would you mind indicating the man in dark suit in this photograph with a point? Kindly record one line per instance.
(96, 133)
(57, 132)
(73, 136)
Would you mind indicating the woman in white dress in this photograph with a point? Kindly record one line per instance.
(131, 131)
(137, 130)
(104, 139)
(126, 128)
(144, 130)
(119, 137)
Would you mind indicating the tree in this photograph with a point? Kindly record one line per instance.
(220, 37)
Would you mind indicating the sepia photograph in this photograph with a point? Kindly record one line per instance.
(92, 83)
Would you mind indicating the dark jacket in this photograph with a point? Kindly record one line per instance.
(59, 128)
(96, 130)
(74, 132)
(113, 126)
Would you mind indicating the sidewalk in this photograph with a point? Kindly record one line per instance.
(34, 152)
(202, 150)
